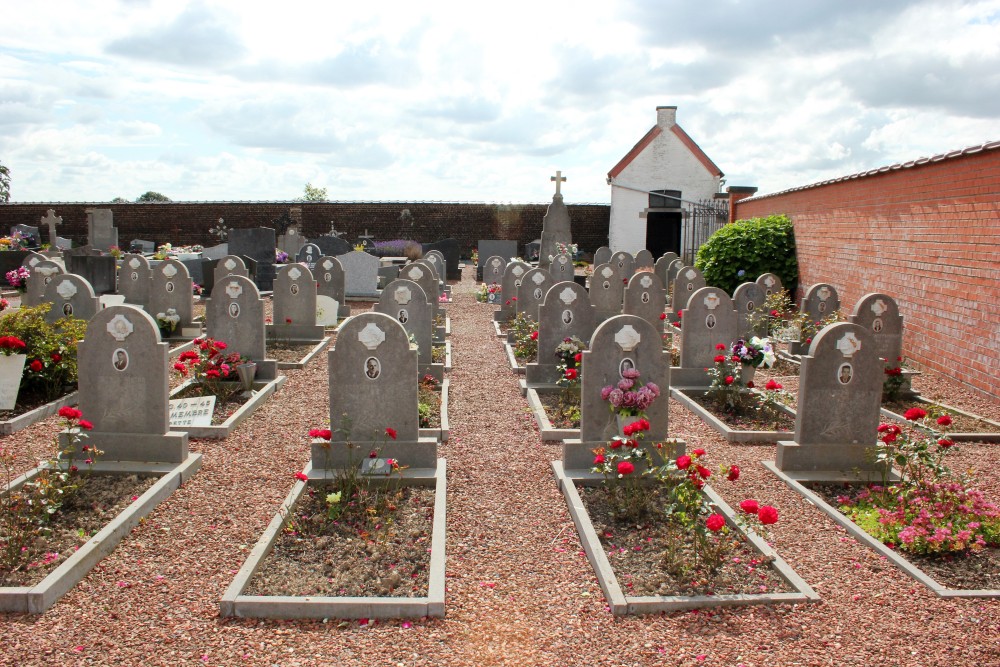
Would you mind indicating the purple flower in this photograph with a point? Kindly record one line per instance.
(629, 399)
(625, 384)
(630, 373)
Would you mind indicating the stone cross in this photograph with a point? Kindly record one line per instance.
(366, 236)
(52, 220)
(558, 178)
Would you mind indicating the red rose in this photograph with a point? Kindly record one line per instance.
(946, 443)
(85, 425)
(715, 522)
(36, 366)
(615, 444)
(219, 345)
(775, 313)
(683, 461)
(513, 298)
(301, 476)
(767, 515)
(749, 506)
(734, 473)
(882, 428)
(889, 437)
(750, 384)
(680, 313)
(599, 459)
(698, 452)
(56, 357)
(729, 379)
(915, 414)
(663, 316)
(719, 358)
(391, 432)
(734, 358)
(324, 433)
(67, 412)
(772, 385)
(571, 373)
(578, 357)
(720, 346)
(704, 472)
(534, 335)
(944, 420)
(625, 468)
(808, 340)
(212, 373)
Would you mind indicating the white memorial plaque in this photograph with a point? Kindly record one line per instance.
(11, 369)
(195, 411)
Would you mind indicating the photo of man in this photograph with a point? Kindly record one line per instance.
(372, 368)
(120, 359)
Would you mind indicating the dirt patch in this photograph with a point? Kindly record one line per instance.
(99, 500)
(636, 553)
(292, 353)
(562, 411)
(750, 419)
(342, 558)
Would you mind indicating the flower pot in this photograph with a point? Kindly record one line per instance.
(746, 373)
(11, 369)
(625, 420)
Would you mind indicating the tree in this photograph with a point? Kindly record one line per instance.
(120, 200)
(313, 193)
(5, 183)
(151, 196)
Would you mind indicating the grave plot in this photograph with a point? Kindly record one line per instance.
(371, 473)
(295, 334)
(38, 366)
(110, 470)
(522, 342)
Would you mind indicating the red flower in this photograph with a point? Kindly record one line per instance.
(719, 358)
(808, 340)
(683, 461)
(882, 428)
(775, 313)
(704, 472)
(720, 346)
(56, 357)
(534, 335)
(599, 459)
(734, 473)
(571, 373)
(391, 432)
(729, 379)
(507, 303)
(513, 298)
(288, 320)
(889, 437)
(734, 358)
(373, 454)
(85, 425)
(749, 506)
(36, 366)
(301, 476)
(67, 412)
(680, 313)
(189, 355)
(750, 384)
(578, 357)
(219, 345)
(625, 468)
(772, 385)
(715, 522)
(767, 515)
(698, 453)
(324, 433)
(915, 414)
(944, 420)
(180, 368)
(663, 316)
(212, 373)
(615, 444)
(946, 442)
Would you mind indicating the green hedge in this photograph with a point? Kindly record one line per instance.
(753, 247)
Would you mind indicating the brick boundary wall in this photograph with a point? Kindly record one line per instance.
(187, 223)
(926, 233)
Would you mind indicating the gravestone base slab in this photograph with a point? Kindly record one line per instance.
(536, 374)
(295, 333)
(578, 456)
(170, 447)
(826, 462)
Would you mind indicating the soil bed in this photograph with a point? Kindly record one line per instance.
(225, 406)
(98, 501)
(959, 423)
(959, 571)
(635, 551)
(431, 398)
(289, 352)
(751, 421)
(561, 414)
(316, 556)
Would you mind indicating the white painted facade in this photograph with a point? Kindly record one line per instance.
(666, 163)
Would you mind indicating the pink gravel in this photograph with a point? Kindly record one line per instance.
(520, 591)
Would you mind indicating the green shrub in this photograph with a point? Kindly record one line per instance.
(52, 346)
(753, 247)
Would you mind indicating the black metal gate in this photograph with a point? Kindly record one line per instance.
(701, 220)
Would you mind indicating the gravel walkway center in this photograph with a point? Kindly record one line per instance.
(519, 589)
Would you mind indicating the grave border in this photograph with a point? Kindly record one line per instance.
(304, 361)
(621, 604)
(957, 437)
(220, 431)
(512, 360)
(21, 422)
(441, 434)
(865, 539)
(727, 432)
(546, 430)
(43, 595)
(235, 604)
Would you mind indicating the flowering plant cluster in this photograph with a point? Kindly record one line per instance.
(756, 352)
(18, 278)
(525, 335)
(397, 248)
(571, 249)
(570, 354)
(489, 293)
(116, 252)
(280, 256)
(18, 241)
(629, 397)
(12, 345)
(50, 369)
(209, 365)
(894, 382)
(929, 510)
(474, 256)
(428, 401)
(726, 388)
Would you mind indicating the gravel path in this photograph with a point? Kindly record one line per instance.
(519, 589)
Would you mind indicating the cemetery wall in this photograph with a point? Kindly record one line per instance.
(187, 223)
(925, 232)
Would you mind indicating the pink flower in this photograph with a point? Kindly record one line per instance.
(715, 522)
(767, 515)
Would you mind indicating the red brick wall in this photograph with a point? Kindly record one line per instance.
(187, 223)
(927, 234)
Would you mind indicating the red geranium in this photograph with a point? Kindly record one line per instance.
(534, 335)
(915, 414)
(324, 433)
(67, 412)
(571, 373)
(767, 515)
(391, 432)
(749, 506)
(683, 461)
(734, 473)
(720, 346)
(599, 459)
(625, 468)
(772, 385)
(715, 522)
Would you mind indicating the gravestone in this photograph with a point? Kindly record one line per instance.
(709, 319)
(555, 225)
(309, 254)
(257, 244)
(30, 234)
(141, 247)
(645, 297)
(100, 271)
(42, 273)
(360, 274)
(673, 268)
(493, 271)
(437, 260)
(215, 252)
(747, 300)
(295, 305)
(687, 281)
(70, 296)
(451, 251)
(51, 220)
(620, 343)
(195, 270)
(366, 241)
(512, 277)
(171, 288)
(235, 315)
(230, 265)
(839, 400)
(405, 301)
(820, 301)
(32, 258)
(565, 312)
(562, 268)
(124, 389)
(606, 291)
(660, 268)
(879, 314)
(531, 293)
(292, 241)
(623, 263)
(332, 246)
(134, 280)
(507, 250)
(372, 365)
(644, 259)
(330, 285)
(101, 231)
(421, 273)
(770, 283)
(602, 255)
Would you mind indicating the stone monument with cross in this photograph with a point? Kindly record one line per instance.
(555, 225)
(55, 241)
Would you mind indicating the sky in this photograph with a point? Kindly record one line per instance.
(482, 102)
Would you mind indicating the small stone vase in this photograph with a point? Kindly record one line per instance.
(746, 373)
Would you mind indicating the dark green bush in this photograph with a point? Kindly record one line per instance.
(753, 247)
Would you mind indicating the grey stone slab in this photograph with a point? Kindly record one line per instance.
(747, 300)
(292, 241)
(562, 267)
(673, 268)
(294, 299)
(235, 315)
(555, 229)
(687, 281)
(360, 274)
(661, 265)
(70, 296)
(493, 247)
(406, 302)
(770, 283)
(142, 247)
(229, 265)
(42, 273)
(709, 319)
(333, 246)
(493, 270)
(879, 313)
(101, 231)
(258, 244)
(623, 263)
(134, 279)
(330, 282)
(262, 391)
(645, 297)
(171, 288)
(565, 312)
(607, 291)
(215, 252)
(531, 293)
(194, 267)
(839, 400)
(512, 277)
(436, 258)
(422, 274)
(602, 255)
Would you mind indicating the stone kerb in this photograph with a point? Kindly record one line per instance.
(879, 314)
(235, 315)
(645, 297)
(373, 386)
(405, 301)
(840, 391)
(294, 297)
(171, 288)
(606, 291)
(620, 343)
(42, 273)
(70, 296)
(531, 293)
(330, 283)
(747, 300)
(134, 278)
(565, 312)
(512, 277)
(709, 319)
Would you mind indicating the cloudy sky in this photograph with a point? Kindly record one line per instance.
(463, 101)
